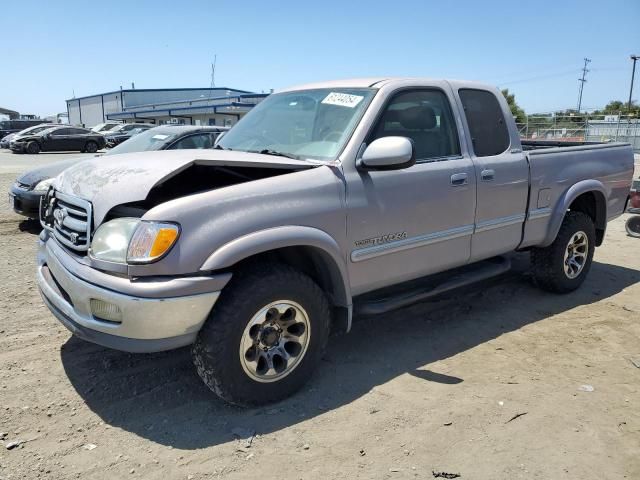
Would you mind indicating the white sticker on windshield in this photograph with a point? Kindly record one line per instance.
(342, 99)
(159, 136)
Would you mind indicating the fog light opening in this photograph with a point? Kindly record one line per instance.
(105, 311)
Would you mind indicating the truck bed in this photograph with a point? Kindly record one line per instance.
(559, 171)
(528, 145)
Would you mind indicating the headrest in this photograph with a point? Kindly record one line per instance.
(413, 118)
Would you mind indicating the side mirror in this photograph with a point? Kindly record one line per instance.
(388, 153)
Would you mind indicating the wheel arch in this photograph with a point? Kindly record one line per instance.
(308, 249)
(37, 142)
(587, 196)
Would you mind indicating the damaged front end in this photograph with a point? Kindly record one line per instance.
(196, 178)
(131, 184)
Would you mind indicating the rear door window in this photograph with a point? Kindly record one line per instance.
(487, 126)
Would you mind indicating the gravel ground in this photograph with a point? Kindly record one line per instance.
(498, 382)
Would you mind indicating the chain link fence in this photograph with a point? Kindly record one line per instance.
(582, 128)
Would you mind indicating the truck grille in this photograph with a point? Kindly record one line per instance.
(68, 218)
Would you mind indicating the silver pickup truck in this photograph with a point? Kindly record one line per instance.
(358, 195)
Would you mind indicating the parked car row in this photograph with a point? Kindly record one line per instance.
(125, 131)
(31, 186)
(59, 138)
(46, 137)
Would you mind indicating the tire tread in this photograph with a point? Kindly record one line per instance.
(546, 274)
(213, 341)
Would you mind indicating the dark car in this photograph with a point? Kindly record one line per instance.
(6, 141)
(13, 126)
(119, 135)
(59, 139)
(26, 191)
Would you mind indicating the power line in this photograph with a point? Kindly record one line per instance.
(582, 82)
(541, 77)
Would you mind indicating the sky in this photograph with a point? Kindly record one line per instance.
(53, 50)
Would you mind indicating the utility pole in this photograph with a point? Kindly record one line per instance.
(213, 71)
(582, 82)
(633, 74)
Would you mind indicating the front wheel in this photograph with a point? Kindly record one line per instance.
(633, 226)
(32, 147)
(264, 337)
(562, 266)
(91, 147)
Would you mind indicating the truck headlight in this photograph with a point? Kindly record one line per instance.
(131, 240)
(151, 241)
(43, 185)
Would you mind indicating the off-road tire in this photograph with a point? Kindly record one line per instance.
(547, 264)
(216, 350)
(32, 148)
(91, 147)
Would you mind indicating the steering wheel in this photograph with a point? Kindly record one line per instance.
(267, 141)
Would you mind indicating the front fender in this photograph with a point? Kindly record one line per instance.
(280, 237)
(565, 201)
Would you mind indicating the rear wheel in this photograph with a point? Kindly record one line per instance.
(91, 147)
(264, 337)
(32, 147)
(562, 266)
(633, 226)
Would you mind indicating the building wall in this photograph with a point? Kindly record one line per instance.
(90, 111)
(136, 98)
(74, 112)
(112, 104)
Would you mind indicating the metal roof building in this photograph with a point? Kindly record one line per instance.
(189, 106)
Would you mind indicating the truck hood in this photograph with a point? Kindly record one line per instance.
(109, 181)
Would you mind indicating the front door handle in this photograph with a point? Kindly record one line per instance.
(488, 175)
(458, 179)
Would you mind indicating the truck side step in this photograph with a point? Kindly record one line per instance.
(414, 291)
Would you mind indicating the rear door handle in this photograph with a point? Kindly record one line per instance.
(458, 179)
(488, 175)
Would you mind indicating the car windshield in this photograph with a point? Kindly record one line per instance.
(103, 127)
(147, 140)
(306, 124)
(32, 130)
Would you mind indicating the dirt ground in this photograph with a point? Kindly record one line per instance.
(499, 382)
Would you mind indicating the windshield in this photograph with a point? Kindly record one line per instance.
(103, 127)
(147, 140)
(313, 124)
(32, 130)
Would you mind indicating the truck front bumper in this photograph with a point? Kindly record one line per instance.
(144, 323)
